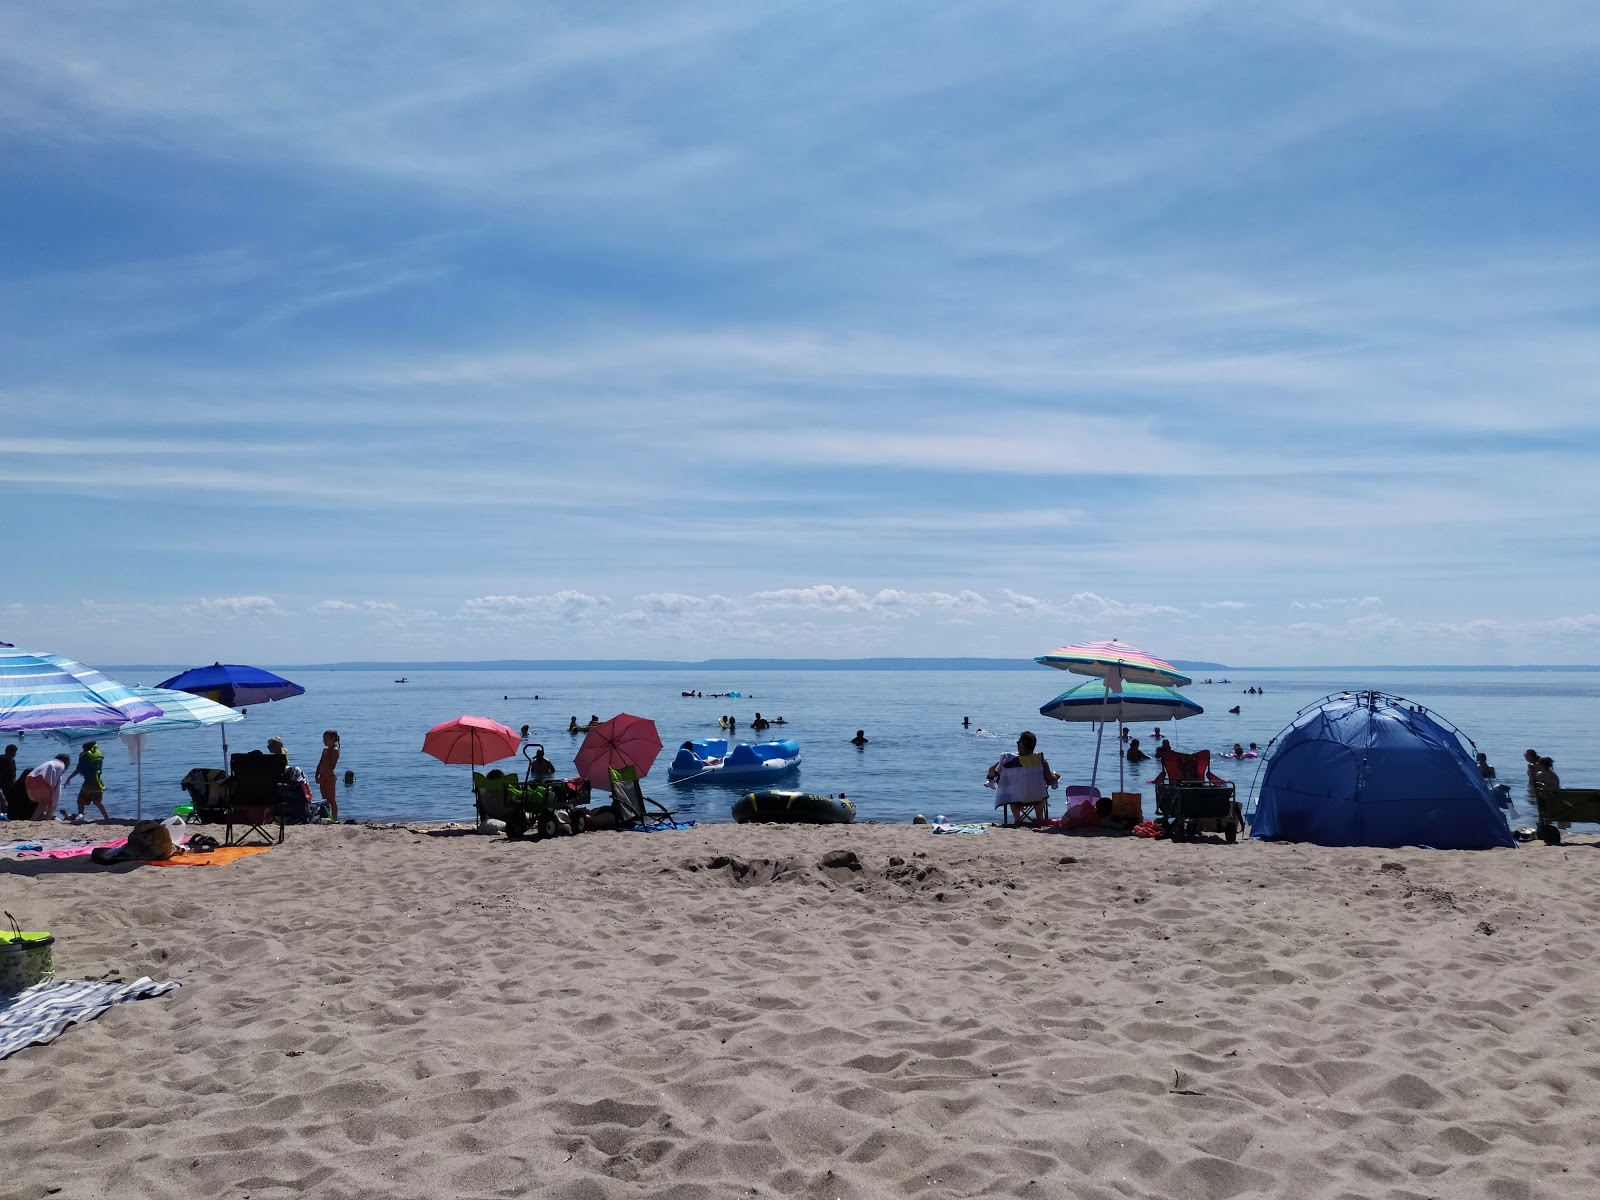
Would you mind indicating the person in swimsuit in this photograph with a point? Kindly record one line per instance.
(328, 773)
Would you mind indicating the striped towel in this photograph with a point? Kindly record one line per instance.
(38, 1014)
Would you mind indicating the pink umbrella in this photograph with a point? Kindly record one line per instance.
(471, 741)
(623, 741)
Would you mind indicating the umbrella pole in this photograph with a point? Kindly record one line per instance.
(139, 812)
(1122, 760)
(1099, 736)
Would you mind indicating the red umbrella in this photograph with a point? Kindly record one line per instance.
(623, 741)
(471, 741)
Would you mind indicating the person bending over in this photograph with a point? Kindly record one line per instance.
(44, 787)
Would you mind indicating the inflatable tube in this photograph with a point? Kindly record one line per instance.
(793, 808)
(711, 760)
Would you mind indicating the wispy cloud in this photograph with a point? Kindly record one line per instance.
(996, 325)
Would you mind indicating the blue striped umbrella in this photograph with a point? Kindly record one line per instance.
(46, 691)
(179, 710)
(1090, 701)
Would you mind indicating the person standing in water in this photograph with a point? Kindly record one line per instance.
(328, 773)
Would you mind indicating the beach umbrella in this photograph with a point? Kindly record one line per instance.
(623, 741)
(1115, 664)
(234, 686)
(48, 692)
(1091, 702)
(471, 741)
(179, 710)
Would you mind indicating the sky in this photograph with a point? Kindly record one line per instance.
(1262, 334)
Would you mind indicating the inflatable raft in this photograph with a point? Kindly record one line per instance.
(711, 761)
(793, 808)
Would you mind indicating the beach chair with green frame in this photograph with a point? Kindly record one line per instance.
(632, 807)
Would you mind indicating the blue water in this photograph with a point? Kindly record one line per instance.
(919, 759)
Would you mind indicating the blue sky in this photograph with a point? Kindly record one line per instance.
(1256, 333)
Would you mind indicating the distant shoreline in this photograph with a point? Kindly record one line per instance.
(822, 664)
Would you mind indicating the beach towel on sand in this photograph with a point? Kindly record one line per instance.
(222, 856)
(39, 1014)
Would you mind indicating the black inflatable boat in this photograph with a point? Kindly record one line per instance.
(793, 808)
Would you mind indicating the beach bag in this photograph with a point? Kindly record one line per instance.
(1127, 806)
(1080, 814)
(294, 794)
(25, 958)
(150, 841)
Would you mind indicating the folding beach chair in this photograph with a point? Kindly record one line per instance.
(1192, 800)
(255, 797)
(633, 809)
(1021, 793)
(497, 797)
(207, 789)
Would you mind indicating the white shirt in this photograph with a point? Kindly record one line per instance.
(51, 772)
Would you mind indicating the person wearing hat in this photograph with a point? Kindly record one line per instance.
(93, 789)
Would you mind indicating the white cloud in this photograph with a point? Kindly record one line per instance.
(1018, 602)
(565, 605)
(823, 596)
(364, 606)
(1090, 606)
(678, 602)
(1225, 604)
(1340, 602)
(237, 606)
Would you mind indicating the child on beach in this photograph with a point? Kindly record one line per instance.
(93, 789)
(328, 774)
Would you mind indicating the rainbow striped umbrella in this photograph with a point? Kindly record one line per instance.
(1115, 662)
(1117, 665)
(46, 691)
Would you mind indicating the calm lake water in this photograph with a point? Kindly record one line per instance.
(919, 759)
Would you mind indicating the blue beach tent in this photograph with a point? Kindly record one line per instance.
(1369, 769)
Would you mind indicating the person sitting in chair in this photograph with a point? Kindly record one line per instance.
(1023, 780)
(293, 789)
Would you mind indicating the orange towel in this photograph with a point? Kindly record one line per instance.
(220, 857)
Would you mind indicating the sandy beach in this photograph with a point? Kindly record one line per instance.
(817, 1012)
